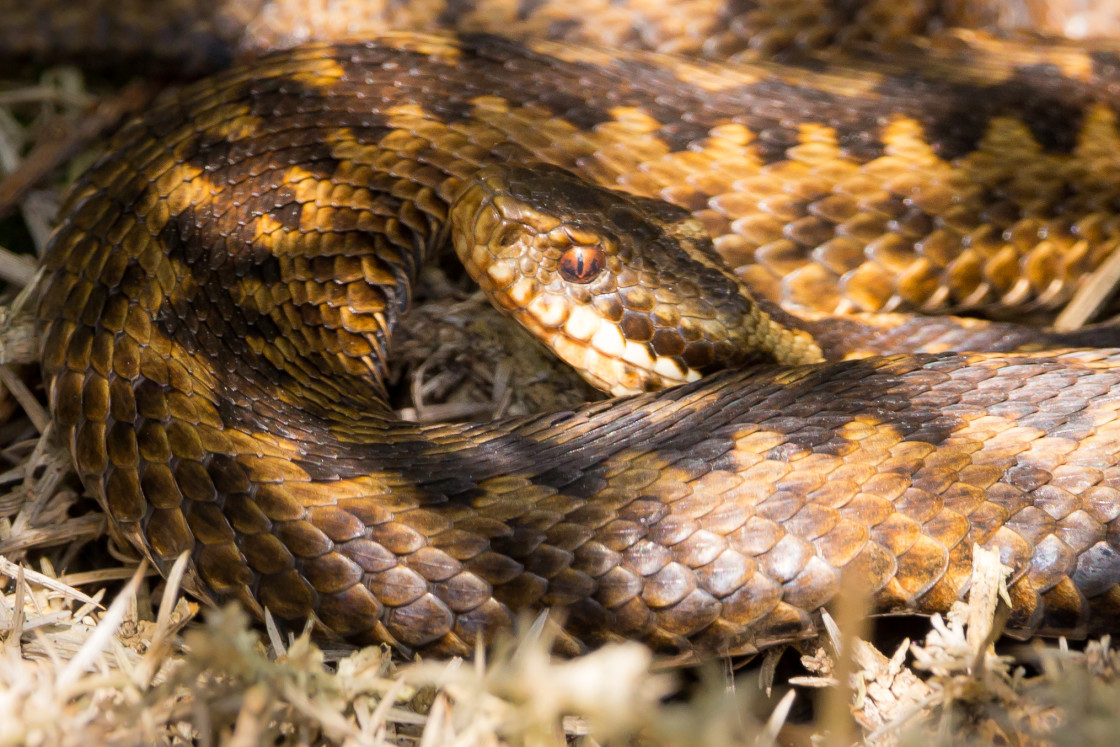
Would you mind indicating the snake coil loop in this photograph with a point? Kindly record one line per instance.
(218, 303)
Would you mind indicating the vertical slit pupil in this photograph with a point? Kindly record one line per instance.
(581, 264)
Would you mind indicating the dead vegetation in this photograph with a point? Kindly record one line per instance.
(97, 649)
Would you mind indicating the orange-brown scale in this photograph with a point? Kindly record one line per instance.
(215, 317)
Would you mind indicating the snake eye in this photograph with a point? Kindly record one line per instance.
(582, 264)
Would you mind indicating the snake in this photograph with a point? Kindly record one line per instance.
(733, 249)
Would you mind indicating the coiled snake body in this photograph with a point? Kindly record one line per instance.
(218, 302)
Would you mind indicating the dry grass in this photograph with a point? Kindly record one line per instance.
(95, 649)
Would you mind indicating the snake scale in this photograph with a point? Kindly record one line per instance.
(218, 301)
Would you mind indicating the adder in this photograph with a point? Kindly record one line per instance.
(218, 300)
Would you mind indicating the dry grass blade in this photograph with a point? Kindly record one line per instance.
(102, 634)
(17, 571)
(61, 138)
(31, 406)
(1091, 296)
(17, 269)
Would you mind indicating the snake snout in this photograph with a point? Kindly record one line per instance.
(627, 290)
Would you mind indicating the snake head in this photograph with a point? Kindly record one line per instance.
(627, 290)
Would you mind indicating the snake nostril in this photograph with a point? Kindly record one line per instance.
(582, 264)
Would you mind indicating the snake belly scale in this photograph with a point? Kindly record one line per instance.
(218, 304)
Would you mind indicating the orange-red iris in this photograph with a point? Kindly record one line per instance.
(582, 264)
